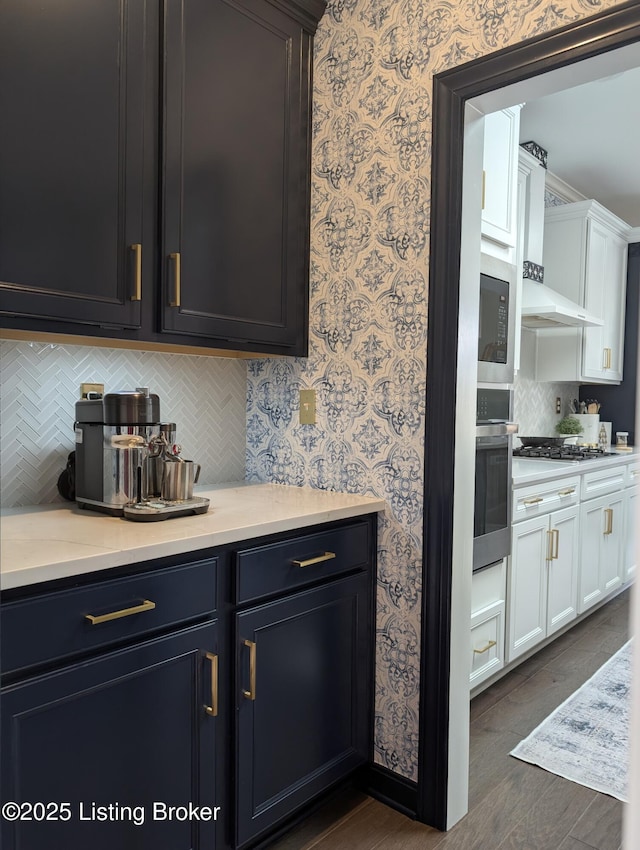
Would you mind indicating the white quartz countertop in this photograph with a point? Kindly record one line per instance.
(532, 470)
(57, 541)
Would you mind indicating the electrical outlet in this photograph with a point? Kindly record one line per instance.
(85, 389)
(307, 407)
(558, 404)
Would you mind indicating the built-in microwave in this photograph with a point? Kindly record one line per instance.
(496, 330)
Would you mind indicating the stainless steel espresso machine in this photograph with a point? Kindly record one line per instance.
(127, 463)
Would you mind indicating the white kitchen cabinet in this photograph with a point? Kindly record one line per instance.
(602, 523)
(543, 577)
(585, 259)
(500, 183)
(630, 524)
(530, 228)
(532, 176)
(487, 622)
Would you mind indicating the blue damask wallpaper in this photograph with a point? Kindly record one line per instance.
(369, 263)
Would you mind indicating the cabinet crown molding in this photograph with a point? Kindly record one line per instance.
(593, 210)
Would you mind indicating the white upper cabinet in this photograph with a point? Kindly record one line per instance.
(530, 228)
(585, 259)
(500, 183)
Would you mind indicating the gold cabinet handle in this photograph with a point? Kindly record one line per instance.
(251, 693)
(556, 539)
(318, 560)
(175, 259)
(568, 492)
(94, 619)
(212, 710)
(137, 291)
(485, 648)
(549, 545)
(536, 500)
(607, 358)
(609, 526)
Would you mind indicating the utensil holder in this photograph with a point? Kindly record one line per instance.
(590, 427)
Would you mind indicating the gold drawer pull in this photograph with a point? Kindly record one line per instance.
(137, 292)
(536, 500)
(328, 556)
(212, 710)
(568, 492)
(251, 693)
(486, 648)
(175, 259)
(94, 619)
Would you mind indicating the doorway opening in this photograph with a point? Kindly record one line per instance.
(588, 50)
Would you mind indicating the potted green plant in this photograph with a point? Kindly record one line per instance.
(570, 426)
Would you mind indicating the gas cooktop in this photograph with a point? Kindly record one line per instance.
(568, 453)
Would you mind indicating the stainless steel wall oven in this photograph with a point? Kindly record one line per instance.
(493, 485)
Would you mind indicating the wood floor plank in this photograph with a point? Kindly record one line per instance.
(601, 824)
(570, 843)
(366, 828)
(550, 818)
(491, 765)
(489, 823)
(493, 694)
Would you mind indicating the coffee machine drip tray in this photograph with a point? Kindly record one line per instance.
(157, 509)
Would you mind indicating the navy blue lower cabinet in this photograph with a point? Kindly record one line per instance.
(303, 699)
(96, 752)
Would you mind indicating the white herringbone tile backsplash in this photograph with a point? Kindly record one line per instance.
(534, 406)
(40, 384)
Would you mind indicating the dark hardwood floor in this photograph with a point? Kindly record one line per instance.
(512, 805)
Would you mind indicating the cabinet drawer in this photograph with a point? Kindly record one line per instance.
(487, 643)
(488, 586)
(278, 567)
(70, 622)
(547, 496)
(633, 474)
(599, 482)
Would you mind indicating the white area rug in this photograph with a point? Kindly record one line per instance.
(586, 739)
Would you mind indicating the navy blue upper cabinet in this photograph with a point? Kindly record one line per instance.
(72, 90)
(155, 170)
(236, 150)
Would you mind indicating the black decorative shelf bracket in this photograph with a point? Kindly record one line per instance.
(536, 150)
(532, 271)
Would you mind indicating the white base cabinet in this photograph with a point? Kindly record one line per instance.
(630, 525)
(543, 578)
(487, 623)
(602, 548)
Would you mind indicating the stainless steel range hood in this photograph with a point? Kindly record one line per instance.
(543, 307)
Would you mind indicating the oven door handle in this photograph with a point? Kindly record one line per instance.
(497, 429)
